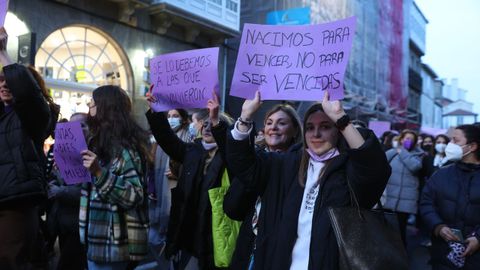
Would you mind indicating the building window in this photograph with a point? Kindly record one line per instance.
(218, 2)
(232, 5)
(82, 56)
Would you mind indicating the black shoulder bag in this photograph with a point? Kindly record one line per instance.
(367, 239)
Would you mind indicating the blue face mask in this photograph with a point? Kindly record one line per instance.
(174, 122)
(192, 130)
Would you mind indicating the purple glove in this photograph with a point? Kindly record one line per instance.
(407, 144)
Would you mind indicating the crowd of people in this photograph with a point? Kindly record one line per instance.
(150, 193)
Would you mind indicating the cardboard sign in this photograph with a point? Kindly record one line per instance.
(3, 11)
(379, 127)
(184, 79)
(293, 62)
(69, 142)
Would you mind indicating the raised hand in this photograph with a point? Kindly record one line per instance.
(150, 98)
(213, 106)
(333, 109)
(90, 161)
(250, 106)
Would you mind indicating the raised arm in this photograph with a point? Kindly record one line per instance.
(29, 103)
(173, 146)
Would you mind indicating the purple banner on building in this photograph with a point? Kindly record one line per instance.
(69, 142)
(184, 79)
(293, 62)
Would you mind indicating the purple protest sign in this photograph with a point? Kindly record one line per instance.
(69, 142)
(293, 62)
(3, 11)
(184, 79)
(379, 127)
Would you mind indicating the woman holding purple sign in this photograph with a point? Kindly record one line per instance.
(114, 206)
(203, 167)
(297, 187)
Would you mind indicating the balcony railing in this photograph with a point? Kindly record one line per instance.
(225, 13)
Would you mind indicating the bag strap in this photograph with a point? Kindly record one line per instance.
(353, 198)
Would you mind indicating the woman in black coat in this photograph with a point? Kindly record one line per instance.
(203, 165)
(450, 202)
(282, 133)
(298, 187)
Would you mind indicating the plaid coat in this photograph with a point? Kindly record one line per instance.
(114, 212)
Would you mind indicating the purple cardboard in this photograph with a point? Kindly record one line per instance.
(293, 62)
(184, 79)
(379, 127)
(3, 11)
(69, 142)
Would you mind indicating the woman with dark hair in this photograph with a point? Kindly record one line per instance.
(401, 194)
(203, 166)
(282, 132)
(297, 187)
(450, 204)
(24, 119)
(113, 207)
(435, 158)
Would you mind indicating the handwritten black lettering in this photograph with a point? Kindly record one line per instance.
(330, 59)
(278, 39)
(253, 78)
(191, 77)
(265, 60)
(297, 81)
(305, 60)
(338, 35)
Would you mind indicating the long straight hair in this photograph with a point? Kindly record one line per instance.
(305, 159)
(113, 127)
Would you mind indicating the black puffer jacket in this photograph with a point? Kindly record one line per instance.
(452, 197)
(22, 131)
(274, 176)
(189, 227)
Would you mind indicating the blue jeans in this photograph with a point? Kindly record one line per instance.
(107, 266)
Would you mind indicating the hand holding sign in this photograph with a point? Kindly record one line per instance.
(90, 161)
(213, 106)
(69, 142)
(333, 109)
(250, 106)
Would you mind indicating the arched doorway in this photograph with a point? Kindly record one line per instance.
(76, 59)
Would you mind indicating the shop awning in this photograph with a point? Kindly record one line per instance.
(69, 86)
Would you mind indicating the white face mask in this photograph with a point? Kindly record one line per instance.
(454, 152)
(192, 130)
(174, 122)
(395, 144)
(440, 147)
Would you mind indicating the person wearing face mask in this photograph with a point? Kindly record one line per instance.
(441, 142)
(297, 187)
(164, 176)
(189, 232)
(401, 194)
(450, 204)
